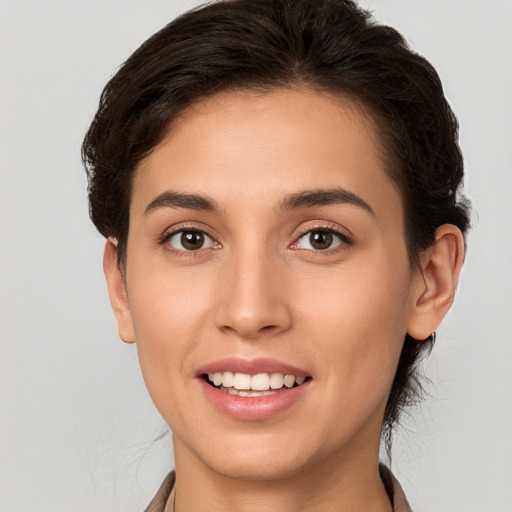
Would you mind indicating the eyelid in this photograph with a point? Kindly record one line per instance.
(344, 234)
(209, 243)
(187, 226)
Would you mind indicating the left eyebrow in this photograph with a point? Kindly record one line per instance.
(324, 197)
(171, 199)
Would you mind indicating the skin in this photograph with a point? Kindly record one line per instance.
(259, 289)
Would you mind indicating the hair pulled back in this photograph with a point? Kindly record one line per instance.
(328, 45)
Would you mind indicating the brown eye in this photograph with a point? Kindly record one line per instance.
(320, 240)
(190, 240)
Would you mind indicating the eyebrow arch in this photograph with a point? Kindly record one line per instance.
(170, 199)
(324, 197)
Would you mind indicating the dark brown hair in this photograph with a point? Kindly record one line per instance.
(328, 45)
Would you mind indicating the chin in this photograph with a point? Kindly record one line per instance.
(264, 458)
(258, 470)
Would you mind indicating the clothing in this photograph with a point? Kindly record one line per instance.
(393, 488)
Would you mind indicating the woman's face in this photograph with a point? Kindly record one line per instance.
(266, 239)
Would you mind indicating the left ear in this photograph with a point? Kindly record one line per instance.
(435, 288)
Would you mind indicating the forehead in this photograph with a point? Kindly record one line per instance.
(256, 146)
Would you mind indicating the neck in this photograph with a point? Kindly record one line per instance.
(346, 484)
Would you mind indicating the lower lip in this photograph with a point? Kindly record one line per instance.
(254, 408)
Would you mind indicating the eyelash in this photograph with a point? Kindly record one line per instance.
(186, 229)
(345, 240)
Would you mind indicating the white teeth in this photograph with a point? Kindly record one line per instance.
(236, 392)
(241, 381)
(289, 381)
(260, 382)
(227, 379)
(276, 381)
(234, 382)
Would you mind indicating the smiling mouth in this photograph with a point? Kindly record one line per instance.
(261, 384)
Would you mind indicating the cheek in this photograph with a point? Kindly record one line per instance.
(366, 296)
(358, 319)
(358, 339)
(169, 311)
(165, 301)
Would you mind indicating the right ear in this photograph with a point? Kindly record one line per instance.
(117, 292)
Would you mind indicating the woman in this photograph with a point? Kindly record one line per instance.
(278, 183)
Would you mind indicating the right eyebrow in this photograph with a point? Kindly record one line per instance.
(171, 199)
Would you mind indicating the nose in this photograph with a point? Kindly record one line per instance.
(255, 299)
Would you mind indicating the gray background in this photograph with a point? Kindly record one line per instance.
(77, 430)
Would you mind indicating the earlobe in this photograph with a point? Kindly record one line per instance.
(435, 289)
(117, 292)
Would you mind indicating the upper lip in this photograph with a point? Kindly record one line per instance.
(251, 367)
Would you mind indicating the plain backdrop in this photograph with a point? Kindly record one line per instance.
(78, 432)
